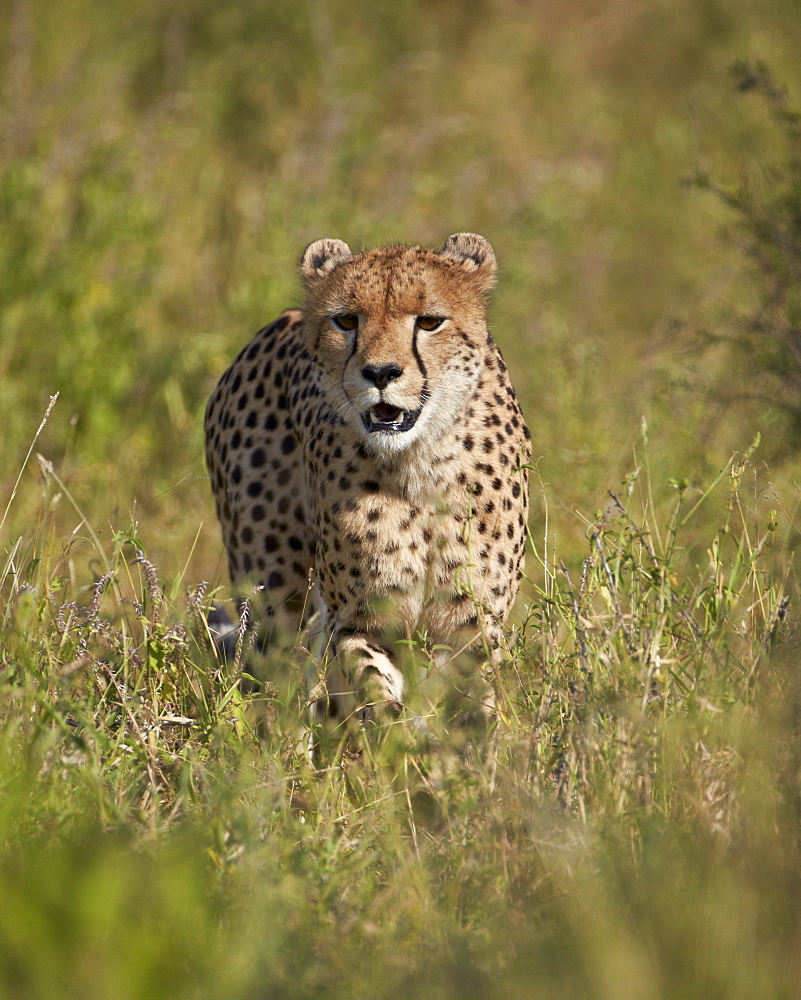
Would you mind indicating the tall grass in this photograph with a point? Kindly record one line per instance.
(633, 832)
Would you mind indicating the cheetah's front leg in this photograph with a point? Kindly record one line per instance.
(375, 684)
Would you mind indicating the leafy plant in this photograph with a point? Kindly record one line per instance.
(764, 340)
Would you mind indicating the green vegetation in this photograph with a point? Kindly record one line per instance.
(635, 828)
(765, 342)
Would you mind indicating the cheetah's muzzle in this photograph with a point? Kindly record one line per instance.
(383, 417)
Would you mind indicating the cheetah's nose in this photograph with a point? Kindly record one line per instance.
(381, 377)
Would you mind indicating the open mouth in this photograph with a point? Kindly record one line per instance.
(383, 417)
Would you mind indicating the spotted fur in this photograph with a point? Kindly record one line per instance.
(372, 444)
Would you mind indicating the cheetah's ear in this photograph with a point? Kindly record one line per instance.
(475, 254)
(321, 257)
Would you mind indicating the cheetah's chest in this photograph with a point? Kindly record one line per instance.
(395, 547)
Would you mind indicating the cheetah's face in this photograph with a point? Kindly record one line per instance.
(398, 333)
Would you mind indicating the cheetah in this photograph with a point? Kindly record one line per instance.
(368, 457)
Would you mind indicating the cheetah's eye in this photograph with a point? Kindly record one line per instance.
(345, 321)
(429, 323)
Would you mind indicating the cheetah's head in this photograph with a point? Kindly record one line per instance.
(399, 334)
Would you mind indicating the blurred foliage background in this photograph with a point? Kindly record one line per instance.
(163, 165)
